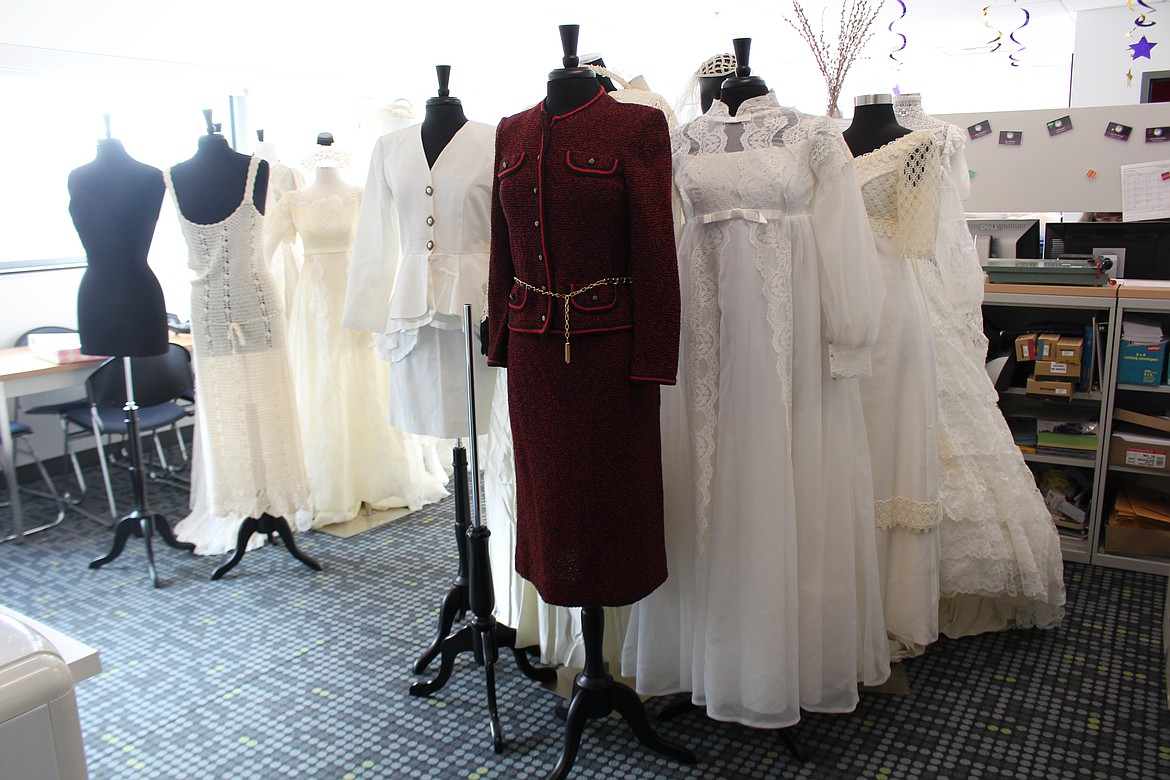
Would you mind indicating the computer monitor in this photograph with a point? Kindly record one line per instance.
(1006, 238)
(1141, 249)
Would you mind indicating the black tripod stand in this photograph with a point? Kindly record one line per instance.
(141, 521)
(596, 695)
(472, 588)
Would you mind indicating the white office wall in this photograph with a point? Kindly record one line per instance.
(1103, 56)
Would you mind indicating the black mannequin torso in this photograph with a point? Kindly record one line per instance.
(114, 203)
(440, 124)
(874, 125)
(210, 186)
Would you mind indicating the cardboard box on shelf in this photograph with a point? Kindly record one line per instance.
(1070, 348)
(1137, 541)
(1058, 369)
(1141, 364)
(1050, 387)
(1137, 418)
(1140, 450)
(1046, 346)
(1026, 347)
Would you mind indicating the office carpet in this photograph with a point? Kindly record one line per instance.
(277, 671)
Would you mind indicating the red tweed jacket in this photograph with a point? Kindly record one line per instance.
(579, 199)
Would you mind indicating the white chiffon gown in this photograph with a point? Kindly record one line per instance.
(900, 184)
(772, 603)
(352, 453)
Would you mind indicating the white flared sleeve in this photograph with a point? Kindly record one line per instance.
(852, 290)
(279, 229)
(376, 253)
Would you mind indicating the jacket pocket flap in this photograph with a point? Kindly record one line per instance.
(508, 166)
(518, 297)
(586, 162)
(603, 296)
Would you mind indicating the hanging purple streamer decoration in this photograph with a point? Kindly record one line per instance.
(1142, 20)
(1015, 61)
(897, 61)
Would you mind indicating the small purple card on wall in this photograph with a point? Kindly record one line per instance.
(1058, 126)
(1119, 131)
(1156, 135)
(979, 129)
(1010, 137)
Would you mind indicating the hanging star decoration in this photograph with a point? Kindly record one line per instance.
(1129, 78)
(1142, 48)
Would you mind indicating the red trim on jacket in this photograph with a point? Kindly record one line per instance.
(600, 92)
(569, 162)
(657, 379)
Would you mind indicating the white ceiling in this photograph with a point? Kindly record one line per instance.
(502, 51)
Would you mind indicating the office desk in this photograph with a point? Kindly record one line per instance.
(22, 373)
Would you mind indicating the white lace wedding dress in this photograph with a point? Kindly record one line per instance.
(900, 184)
(772, 604)
(352, 453)
(1000, 563)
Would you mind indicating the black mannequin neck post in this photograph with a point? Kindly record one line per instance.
(733, 94)
(442, 120)
(741, 85)
(568, 92)
(874, 124)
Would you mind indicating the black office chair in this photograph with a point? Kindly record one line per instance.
(158, 381)
(20, 434)
(57, 409)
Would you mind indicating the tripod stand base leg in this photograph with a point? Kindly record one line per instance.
(452, 605)
(461, 641)
(122, 531)
(163, 526)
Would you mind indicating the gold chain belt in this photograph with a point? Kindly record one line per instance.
(567, 297)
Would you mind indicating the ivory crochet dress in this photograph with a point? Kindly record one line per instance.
(251, 448)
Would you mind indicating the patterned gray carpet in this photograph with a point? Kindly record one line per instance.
(277, 671)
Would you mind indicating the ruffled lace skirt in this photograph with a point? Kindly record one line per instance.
(1000, 565)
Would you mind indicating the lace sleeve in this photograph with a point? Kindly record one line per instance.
(918, 200)
(827, 152)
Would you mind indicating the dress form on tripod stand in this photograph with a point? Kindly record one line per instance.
(115, 202)
(254, 464)
(589, 528)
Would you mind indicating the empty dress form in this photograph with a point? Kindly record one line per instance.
(114, 202)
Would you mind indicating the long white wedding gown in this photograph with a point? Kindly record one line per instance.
(772, 604)
(352, 453)
(900, 184)
(1000, 564)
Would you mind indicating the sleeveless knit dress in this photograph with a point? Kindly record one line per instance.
(244, 400)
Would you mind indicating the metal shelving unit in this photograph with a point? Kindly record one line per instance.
(1152, 303)
(1035, 306)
